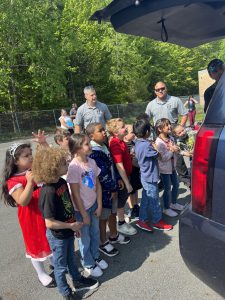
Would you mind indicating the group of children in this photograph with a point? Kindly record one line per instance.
(79, 188)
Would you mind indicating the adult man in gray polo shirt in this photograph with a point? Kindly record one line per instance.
(166, 106)
(91, 111)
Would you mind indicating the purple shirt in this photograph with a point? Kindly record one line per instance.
(147, 160)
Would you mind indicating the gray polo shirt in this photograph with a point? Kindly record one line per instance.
(171, 108)
(88, 114)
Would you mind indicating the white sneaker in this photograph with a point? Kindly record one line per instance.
(94, 271)
(126, 229)
(169, 212)
(176, 206)
(101, 263)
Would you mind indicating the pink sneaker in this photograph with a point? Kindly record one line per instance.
(161, 225)
(144, 226)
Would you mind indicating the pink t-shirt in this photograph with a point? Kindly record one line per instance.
(85, 174)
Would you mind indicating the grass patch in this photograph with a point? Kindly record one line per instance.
(199, 113)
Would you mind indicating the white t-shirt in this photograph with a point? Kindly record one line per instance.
(67, 120)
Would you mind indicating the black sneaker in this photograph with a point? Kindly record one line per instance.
(51, 267)
(71, 296)
(135, 212)
(108, 249)
(85, 284)
(120, 239)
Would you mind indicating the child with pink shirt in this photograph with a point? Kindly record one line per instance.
(86, 192)
(167, 161)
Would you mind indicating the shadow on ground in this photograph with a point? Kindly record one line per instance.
(142, 245)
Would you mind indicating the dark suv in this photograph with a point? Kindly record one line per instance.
(202, 224)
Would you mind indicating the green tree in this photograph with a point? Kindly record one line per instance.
(32, 64)
(50, 49)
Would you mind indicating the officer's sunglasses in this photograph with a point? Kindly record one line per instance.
(160, 89)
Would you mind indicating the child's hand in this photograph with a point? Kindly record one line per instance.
(120, 184)
(174, 148)
(187, 153)
(98, 212)
(169, 146)
(29, 177)
(86, 220)
(129, 188)
(76, 226)
(77, 234)
(40, 137)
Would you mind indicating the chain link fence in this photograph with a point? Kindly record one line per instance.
(21, 124)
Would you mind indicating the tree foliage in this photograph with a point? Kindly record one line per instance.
(50, 49)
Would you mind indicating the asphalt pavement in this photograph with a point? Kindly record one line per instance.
(149, 268)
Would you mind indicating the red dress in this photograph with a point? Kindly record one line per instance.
(31, 221)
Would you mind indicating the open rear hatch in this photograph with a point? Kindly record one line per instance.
(186, 23)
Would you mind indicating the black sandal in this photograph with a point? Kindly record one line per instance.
(51, 284)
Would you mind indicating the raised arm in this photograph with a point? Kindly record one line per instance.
(41, 138)
(22, 196)
(194, 100)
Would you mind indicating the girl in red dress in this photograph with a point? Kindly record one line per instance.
(19, 190)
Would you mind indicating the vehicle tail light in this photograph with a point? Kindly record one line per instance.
(204, 150)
